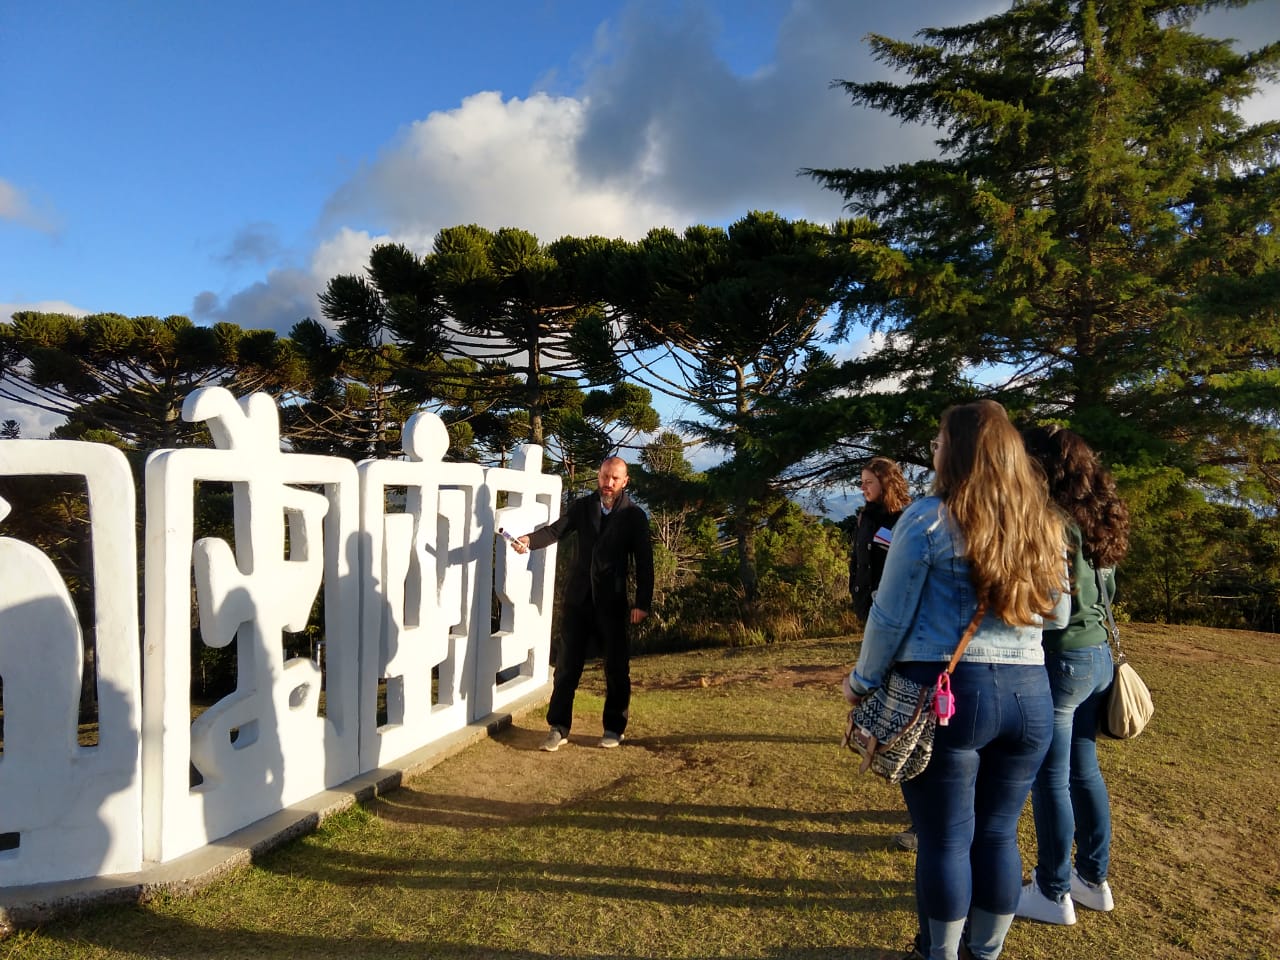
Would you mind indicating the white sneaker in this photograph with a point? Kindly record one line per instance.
(611, 740)
(555, 740)
(1034, 905)
(1095, 896)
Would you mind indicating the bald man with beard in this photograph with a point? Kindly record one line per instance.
(613, 533)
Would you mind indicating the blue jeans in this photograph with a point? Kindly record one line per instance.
(1069, 798)
(608, 624)
(967, 803)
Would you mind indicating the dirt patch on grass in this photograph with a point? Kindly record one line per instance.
(782, 677)
(1197, 645)
(508, 779)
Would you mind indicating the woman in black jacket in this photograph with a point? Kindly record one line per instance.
(884, 489)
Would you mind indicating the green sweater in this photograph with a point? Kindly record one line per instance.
(1088, 624)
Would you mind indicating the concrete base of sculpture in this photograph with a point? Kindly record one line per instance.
(30, 906)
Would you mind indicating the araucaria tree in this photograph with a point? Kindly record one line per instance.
(365, 385)
(736, 317)
(1096, 240)
(514, 308)
(123, 380)
(491, 322)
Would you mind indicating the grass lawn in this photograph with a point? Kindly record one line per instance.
(731, 824)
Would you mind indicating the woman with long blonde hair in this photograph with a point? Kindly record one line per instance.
(986, 535)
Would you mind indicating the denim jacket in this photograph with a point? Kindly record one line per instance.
(926, 601)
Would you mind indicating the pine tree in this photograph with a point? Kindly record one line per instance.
(1095, 242)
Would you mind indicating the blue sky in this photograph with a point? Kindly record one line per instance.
(224, 160)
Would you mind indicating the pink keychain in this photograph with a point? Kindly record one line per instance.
(944, 703)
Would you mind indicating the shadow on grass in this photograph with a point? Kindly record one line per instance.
(176, 939)
(676, 887)
(409, 806)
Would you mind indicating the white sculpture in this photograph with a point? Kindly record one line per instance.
(408, 584)
(419, 567)
(516, 656)
(266, 745)
(68, 810)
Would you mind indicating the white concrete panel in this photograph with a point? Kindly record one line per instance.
(267, 744)
(514, 659)
(69, 811)
(418, 573)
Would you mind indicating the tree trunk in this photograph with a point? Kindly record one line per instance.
(746, 551)
(533, 384)
(742, 504)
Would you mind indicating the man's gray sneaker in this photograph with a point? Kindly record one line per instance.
(555, 739)
(611, 740)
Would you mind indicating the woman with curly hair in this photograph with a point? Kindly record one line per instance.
(1069, 799)
(885, 496)
(987, 540)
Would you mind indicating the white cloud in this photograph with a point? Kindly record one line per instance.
(717, 144)
(11, 201)
(289, 294)
(255, 243)
(33, 423)
(347, 251)
(497, 163)
(492, 162)
(861, 345)
(1247, 28)
(7, 310)
(1263, 105)
(661, 133)
(286, 296)
(16, 207)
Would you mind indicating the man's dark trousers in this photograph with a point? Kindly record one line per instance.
(609, 626)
